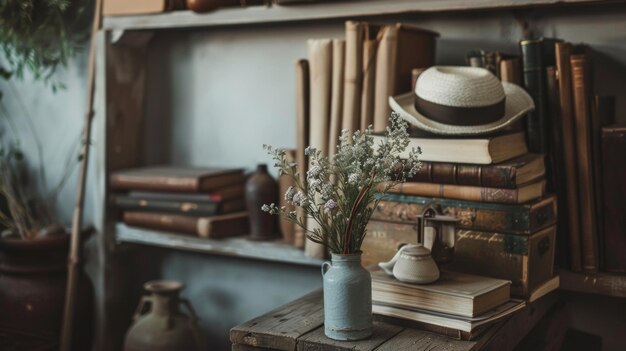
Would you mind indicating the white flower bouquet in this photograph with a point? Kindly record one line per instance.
(341, 193)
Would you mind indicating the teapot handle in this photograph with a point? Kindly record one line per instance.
(143, 302)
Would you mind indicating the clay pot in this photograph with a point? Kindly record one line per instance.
(33, 280)
(163, 327)
(261, 189)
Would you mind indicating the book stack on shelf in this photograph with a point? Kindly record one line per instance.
(207, 202)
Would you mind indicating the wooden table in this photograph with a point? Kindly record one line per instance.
(299, 326)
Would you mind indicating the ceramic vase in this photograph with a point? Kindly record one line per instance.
(163, 327)
(33, 280)
(347, 298)
(261, 188)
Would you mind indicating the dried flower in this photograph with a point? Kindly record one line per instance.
(341, 194)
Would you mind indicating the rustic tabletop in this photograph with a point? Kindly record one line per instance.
(298, 325)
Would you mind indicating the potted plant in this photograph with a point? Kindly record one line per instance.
(35, 37)
(340, 194)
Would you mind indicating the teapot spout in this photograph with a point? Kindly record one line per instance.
(388, 266)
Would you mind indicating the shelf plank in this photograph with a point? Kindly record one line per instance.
(315, 11)
(274, 251)
(594, 283)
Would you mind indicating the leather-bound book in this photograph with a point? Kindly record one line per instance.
(336, 100)
(563, 52)
(493, 61)
(171, 178)
(401, 48)
(556, 183)
(188, 208)
(581, 81)
(511, 70)
(215, 227)
(518, 195)
(614, 184)
(302, 132)
(508, 174)
(602, 115)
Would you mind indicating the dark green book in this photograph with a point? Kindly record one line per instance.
(191, 208)
(505, 218)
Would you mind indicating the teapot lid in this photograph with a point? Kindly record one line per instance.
(416, 250)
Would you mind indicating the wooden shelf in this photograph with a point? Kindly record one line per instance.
(274, 251)
(594, 283)
(316, 11)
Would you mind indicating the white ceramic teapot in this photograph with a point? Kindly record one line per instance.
(412, 264)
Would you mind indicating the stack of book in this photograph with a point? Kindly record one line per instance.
(458, 305)
(507, 223)
(207, 202)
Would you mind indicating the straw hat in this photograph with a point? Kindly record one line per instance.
(452, 100)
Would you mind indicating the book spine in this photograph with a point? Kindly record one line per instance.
(302, 132)
(515, 219)
(555, 157)
(614, 173)
(154, 183)
(369, 83)
(534, 82)
(603, 114)
(190, 208)
(353, 80)
(336, 102)
(162, 222)
(511, 71)
(581, 88)
(464, 174)
(217, 227)
(385, 75)
(461, 192)
(563, 53)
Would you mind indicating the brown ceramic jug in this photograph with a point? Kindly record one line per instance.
(261, 189)
(163, 327)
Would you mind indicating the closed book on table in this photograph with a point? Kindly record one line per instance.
(526, 260)
(188, 208)
(581, 87)
(518, 195)
(507, 218)
(171, 178)
(229, 192)
(614, 184)
(476, 150)
(453, 293)
(563, 52)
(508, 174)
(215, 227)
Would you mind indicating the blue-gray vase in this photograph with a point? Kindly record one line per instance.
(347, 298)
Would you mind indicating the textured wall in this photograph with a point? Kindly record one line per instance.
(215, 96)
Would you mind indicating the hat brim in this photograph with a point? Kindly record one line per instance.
(517, 104)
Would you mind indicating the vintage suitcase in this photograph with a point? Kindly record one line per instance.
(526, 260)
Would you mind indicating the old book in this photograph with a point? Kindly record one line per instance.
(581, 84)
(302, 132)
(613, 175)
(336, 101)
(519, 195)
(602, 115)
(135, 7)
(511, 70)
(477, 150)
(462, 328)
(400, 49)
(369, 74)
(537, 54)
(214, 227)
(188, 208)
(172, 178)
(453, 293)
(229, 192)
(509, 174)
(526, 260)
(544, 289)
(353, 79)
(522, 219)
(555, 157)
(563, 52)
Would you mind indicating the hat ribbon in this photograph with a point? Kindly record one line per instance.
(460, 116)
